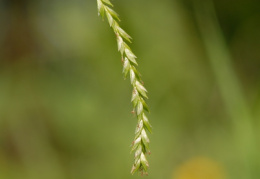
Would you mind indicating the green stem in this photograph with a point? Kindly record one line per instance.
(229, 85)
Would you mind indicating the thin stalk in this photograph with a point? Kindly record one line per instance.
(228, 83)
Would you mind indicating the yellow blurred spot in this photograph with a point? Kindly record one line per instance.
(199, 168)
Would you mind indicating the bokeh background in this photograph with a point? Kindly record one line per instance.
(65, 108)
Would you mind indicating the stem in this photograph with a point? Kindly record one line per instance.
(229, 85)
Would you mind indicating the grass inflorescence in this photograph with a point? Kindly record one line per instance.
(141, 141)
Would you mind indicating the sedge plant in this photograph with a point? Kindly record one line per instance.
(141, 141)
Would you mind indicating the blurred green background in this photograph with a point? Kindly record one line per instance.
(65, 108)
